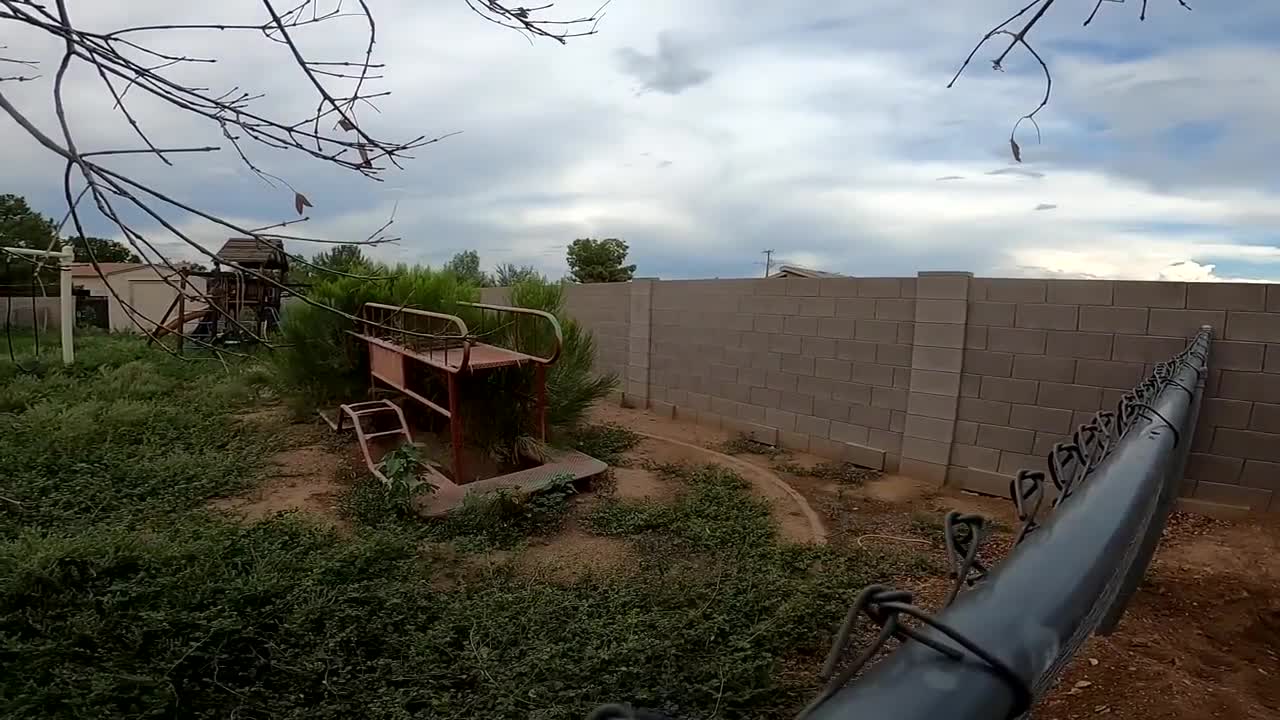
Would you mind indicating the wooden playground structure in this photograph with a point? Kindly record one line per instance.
(239, 306)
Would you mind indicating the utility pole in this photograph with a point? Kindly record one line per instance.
(768, 261)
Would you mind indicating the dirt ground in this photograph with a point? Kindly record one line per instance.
(1201, 638)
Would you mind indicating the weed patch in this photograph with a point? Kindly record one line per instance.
(837, 472)
(606, 442)
(743, 444)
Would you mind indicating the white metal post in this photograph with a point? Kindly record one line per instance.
(67, 310)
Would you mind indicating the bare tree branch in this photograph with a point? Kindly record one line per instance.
(125, 61)
(1020, 38)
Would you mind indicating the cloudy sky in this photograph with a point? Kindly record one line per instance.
(703, 133)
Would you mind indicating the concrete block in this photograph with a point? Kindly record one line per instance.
(977, 410)
(1228, 355)
(1261, 474)
(897, 421)
(1215, 468)
(935, 358)
(1080, 292)
(892, 462)
(818, 307)
(991, 314)
(831, 409)
(797, 403)
(754, 341)
(970, 385)
(902, 377)
(1071, 397)
(1130, 348)
(1273, 298)
(895, 309)
(835, 327)
(906, 333)
(800, 325)
(798, 364)
(1212, 509)
(752, 377)
(1021, 341)
(767, 323)
(1095, 346)
(879, 287)
(789, 344)
(724, 373)
(872, 417)
(890, 398)
(978, 480)
(927, 450)
(1044, 367)
(872, 374)
(919, 426)
(921, 470)
(750, 413)
(897, 355)
(783, 420)
(862, 455)
(938, 335)
(1005, 438)
(1221, 412)
(810, 425)
(975, 457)
(818, 347)
(662, 409)
(1041, 419)
(1016, 290)
(848, 432)
(1119, 320)
(783, 381)
(765, 397)
(802, 287)
(942, 407)
(943, 287)
(1265, 418)
(856, 350)
(941, 311)
(975, 338)
(880, 331)
(1235, 385)
(1255, 499)
(1247, 444)
(1009, 390)
(933, 381)
(1184, 323)
(1011, 463)
(856, 393)
(833, 369)
(1257, 327)
(966, 432)
(886, 440)
(1109, 374)
(851, 309)
(1047, 317)
(1045, 442)
(986, 362)
(1144, 294)
(838, 287)
(794, 441)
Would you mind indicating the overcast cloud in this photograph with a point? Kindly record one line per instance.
(702, 134)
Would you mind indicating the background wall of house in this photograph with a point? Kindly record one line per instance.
(952, 378)
(144, 291)
(18, 310)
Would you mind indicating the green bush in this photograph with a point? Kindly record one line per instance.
(322, 365)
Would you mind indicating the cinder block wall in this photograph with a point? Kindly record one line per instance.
(1042, 355)
(948, 377)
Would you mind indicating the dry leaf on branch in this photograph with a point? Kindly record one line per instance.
(300, 201)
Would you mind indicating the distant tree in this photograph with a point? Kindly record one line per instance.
(20, 226)
(343, 258)
(508, 274)
(466, 265)
(103, 250)
(597, 261)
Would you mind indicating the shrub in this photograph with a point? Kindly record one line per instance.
(321, 365)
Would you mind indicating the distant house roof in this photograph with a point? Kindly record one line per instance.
(796, 271)
(263, 252)
(87, 269)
